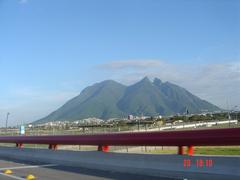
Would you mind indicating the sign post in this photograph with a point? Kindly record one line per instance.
(22, 130)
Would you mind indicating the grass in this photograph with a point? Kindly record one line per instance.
(202, 150)
(221, 150)
(206, 150)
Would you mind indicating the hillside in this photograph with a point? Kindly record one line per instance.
(110, 99)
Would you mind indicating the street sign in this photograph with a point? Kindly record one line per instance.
(22, 130)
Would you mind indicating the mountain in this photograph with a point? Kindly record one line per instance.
(143, 98)
(98, 100)
(110, 99)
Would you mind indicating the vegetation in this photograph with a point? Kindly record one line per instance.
(110, 99)
(208, 150)
(222, 150)
(207, 117)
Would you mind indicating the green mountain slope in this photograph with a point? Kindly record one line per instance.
(110, 99)
(179, 99)
(143, 98)
(98, 100)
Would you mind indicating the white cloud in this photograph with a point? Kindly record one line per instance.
(217, 83)
(133, 64)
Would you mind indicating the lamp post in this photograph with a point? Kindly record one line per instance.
(7, 121)
(236, 112)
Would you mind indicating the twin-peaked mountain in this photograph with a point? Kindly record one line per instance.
(110, 99)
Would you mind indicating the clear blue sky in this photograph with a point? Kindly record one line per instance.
(49, 46)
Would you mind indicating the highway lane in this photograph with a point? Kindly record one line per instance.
(41, 171)
(56, 172)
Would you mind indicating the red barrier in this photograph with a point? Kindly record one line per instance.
(190, 150)
(103, 148)
(206, 137)
(180, 150)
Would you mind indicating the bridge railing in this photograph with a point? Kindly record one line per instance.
(190, 138)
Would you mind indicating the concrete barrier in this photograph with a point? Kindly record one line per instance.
(221, 167)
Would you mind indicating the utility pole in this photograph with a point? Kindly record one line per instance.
(236, 112)
(138, 124)
(229, 117)
(7, 121)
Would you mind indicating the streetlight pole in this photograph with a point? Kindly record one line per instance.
(236, 112)
(7, 121)
(138, 124)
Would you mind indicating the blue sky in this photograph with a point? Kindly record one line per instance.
(51, 50)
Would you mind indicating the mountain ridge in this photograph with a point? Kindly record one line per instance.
(110, 99)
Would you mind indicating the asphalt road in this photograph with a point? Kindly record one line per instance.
(56, 172)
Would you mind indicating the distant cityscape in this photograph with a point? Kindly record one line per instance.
(131, 119)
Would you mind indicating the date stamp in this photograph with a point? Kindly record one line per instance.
(199, 163)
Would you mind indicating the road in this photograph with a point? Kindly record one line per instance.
(56, 172)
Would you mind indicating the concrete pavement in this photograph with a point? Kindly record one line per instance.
(21, 169)
(171, 166)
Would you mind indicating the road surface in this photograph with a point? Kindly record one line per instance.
(56, 172)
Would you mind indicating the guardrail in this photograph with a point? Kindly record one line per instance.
(190, 138)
